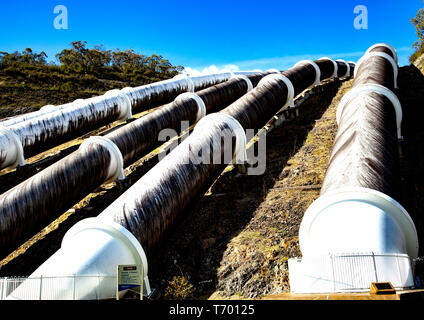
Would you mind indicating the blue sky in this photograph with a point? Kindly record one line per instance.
(199, 34)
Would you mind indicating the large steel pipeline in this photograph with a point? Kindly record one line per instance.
(38, 200)
(145, 212)
(153, 203)
(365, 150)
(27, 135)
(356, 221)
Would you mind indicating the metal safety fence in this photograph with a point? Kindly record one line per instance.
(72, 287)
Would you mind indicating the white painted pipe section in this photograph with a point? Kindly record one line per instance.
(10, 143)
(317, 72)
(347, 74)
(336, 67)
(357, 220)
(240, 154)
(125, 105)
(391, 48)
(116, 165)
(135, 93)
(31, 115)
(377, 89)
(383, 55)
(341, 231)
(200, 103)
(190, 83)
(90, 254)
(290, 96)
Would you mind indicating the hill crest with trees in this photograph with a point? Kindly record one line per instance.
(28, 81)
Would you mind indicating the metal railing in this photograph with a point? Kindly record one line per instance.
(59, 288)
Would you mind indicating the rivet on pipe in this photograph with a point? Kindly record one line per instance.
(383, 55)
(377, 89)
(116, 166)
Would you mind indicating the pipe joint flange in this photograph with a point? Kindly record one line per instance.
(290, 88)
(336, 67)
(317, 72)
(245, 78)
(201, 107)
(190, 83)
(347, 74)
(240, 154)
(383, 55)
(377, 89)
(116, 231)
(392, 49)
(125, 105)
(18, 159)
(116, 165)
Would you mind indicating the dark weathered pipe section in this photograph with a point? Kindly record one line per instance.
(375, 70)
(37, 201)
(365, 151)
(327, 68)
(152, 204)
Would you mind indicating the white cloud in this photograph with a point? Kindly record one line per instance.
(210, 69)
(284, 63)
(280, 63)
